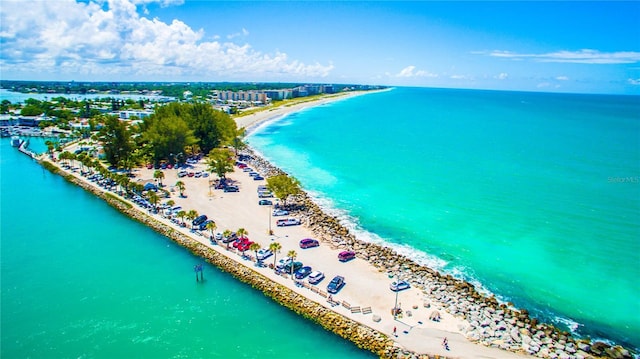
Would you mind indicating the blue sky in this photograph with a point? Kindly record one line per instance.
(585, 47)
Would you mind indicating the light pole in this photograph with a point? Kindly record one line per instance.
(270, 210)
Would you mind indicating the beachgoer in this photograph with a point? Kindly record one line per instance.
(394, 332)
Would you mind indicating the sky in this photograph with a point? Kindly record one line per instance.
(550, 46)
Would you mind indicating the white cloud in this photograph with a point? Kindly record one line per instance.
(113, 41)
(562, 78)
(458, 77)
(244, 32)
(409, 72)
(634, 82)
(584, 56)
(502, 76)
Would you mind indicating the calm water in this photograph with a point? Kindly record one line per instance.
(17, 97)
(534, 196)
(79, 280)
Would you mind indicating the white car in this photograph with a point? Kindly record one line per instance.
(287, 222)
(218, 236)
(316, 277)
(264, 254)
(283, 262)
(280, 212)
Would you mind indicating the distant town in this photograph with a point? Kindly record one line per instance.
(58, 111)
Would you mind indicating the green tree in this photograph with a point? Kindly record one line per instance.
(283, 186)
(275, 247)
(181, 188)
(236, 141)
(153, 198)
(116, 141)
(191, 215)
(226, 234)
(219, 162)
(159, 176)
(255, 247)
(166, 135)
(181, 214)
(242, 233)
(211, 226)
(293, 255)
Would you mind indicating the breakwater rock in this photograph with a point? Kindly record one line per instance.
(489, 322)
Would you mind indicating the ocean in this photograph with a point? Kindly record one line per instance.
(534, 197)
(80, 280)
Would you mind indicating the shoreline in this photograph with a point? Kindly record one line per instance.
(471, 315)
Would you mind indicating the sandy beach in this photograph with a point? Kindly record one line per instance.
(366, 294)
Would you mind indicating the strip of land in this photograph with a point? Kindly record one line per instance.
(366, 297)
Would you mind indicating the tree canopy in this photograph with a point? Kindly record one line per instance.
(283, 186)
(220, 162)
(116, 141)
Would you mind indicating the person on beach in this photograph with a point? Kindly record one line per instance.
(394, 332)
(445, 343)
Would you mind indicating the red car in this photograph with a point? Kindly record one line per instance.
(244, 246)
(309, 243)
(346, 256)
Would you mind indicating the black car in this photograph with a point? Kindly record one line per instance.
(231, 189)
(265, 202)
(296, 266)
(303, 272)
(198, 221)
(336, 284)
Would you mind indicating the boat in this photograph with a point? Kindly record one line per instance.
(16, 141)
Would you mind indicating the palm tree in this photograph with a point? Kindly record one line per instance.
(181, 215)
(275, 247)
(159, 176)
(293, 255)
(153, 199)
(255, 247)
(226, 234)
(180, 186)
(211, 226)
(191, 215)
(237, 142)
(219, 161)
(242, 233)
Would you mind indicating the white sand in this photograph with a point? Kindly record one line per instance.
(366, 287)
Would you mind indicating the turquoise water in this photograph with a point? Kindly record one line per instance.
(79, 280)
(534, 196)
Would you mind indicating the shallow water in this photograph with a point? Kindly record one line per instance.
(534, 196)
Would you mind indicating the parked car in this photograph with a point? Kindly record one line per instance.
(296, 266)
(265, 194)
(303, 272)
(218, 236)
(246, 169)
(283, 262)
(346, 256)
(239, 242)
(203, 225)
(336, 284)
(400, 285)
(230, 238)
(287, 222)
(309, 243)
(244, 246)
(280, 212)
(316, 277)
(253, 174)
(258, 178)
(231, 189)
(265, 202)
(264, 254)
(199, 220)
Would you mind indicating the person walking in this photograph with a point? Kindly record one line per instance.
(394, 332)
